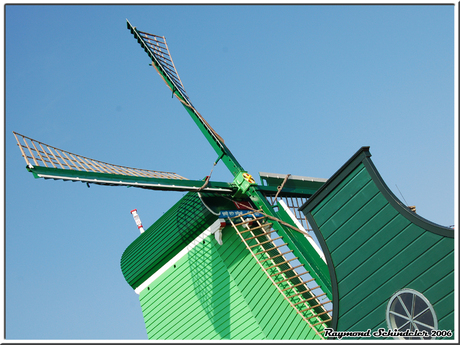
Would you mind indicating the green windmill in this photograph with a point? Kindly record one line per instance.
(237, 260)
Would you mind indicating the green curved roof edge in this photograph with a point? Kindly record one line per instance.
(172, 232)
(363, 155)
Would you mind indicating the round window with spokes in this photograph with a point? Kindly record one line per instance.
(410, 310)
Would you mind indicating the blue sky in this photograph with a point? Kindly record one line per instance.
(291, 89)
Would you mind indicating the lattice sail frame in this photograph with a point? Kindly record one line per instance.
(159, 48)
(34, 151)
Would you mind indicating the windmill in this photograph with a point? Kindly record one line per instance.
(231, 260)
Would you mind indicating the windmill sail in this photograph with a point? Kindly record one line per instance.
(52, 163)
(157, 48)
(158, 51)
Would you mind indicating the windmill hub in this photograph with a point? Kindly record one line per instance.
(243, 181)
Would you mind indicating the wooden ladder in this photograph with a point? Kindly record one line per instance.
(256, 233)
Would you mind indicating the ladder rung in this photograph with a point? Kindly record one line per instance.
(271, 240)
(271, 258)
(302, 283)
(306, 291)
(289, 269)
(267, 250)
(265, 233)
(324, 312)
(316, 306)
(256, 227)
(298, 275)
(312, 307)
(309, 299)
(281, 263)
(319, 323)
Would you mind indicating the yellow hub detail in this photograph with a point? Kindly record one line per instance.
(249, 178)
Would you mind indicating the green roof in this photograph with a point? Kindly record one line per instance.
(165, 238)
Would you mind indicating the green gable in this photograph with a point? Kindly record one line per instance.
(375, 246)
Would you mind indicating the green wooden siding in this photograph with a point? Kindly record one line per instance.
(375, 247)
(276, 317)
(219, 292)
(197, 299)
(165, 238)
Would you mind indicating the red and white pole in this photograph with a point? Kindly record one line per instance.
(137, 220)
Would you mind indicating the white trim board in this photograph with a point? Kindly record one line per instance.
(209, 231)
